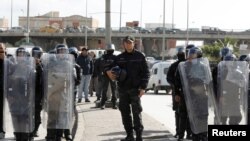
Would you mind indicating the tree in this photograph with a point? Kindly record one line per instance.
(213, 51)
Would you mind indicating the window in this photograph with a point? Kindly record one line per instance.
(155, 71)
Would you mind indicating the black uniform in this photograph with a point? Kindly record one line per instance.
(182, 109)
(137, 78)
(98, 73)
(1, 94)
(106, 61)
(171, 80)
(39, 93)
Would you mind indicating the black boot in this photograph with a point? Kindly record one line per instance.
(67, 135)
(138, 135)
(130, 137)
(35, 132)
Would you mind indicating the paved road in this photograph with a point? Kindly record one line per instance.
(159, 106)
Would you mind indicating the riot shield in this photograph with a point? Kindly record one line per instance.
(232, 92)
(198, 93)
(20, 95)
(59, 84)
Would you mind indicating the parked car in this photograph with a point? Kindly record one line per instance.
(89, 30)
(100, 30)
(157, 80)
(128, 30)
(143, 30)
(17, 29)
(159, 30)
(70, 29)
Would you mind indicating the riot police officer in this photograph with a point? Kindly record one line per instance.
(59, 101)
(39, 88)
(105, 62)
(74, 52)
(131, 87)
(171, 80)
(20, 95)
(181, 104)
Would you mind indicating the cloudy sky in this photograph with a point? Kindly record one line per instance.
(224, 14)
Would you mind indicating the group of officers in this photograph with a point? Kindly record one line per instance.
(202, 96)
(36, 82)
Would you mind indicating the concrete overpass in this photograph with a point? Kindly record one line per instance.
(152, 43)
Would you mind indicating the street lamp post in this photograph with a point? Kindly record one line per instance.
(86, 21)
(120, 16)
(140, 27)
(187, 36)
(173, 14)
(164, 31)
(11, 15)
(28, 22)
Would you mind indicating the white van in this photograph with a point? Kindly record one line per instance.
(158, 77)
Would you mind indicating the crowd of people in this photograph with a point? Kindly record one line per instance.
(203, 97)
(54, 82)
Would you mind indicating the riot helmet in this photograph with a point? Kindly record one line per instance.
(225, 51)
(247, 58)
(110, 48)
(230, 57)
(61, 49)
(21, 52)
(74, 51)
(188, 47)
(194, 52)
(36, 52)
(180, 54)
(120, 73)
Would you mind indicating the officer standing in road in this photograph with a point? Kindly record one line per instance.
(60, 75)
(131, 87)
(2, 59)
(182, 109)
(39, 88)
(105, 62)
(171, 80)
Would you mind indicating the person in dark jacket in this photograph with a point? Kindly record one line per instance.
(106, 60)
(87, 69)
(131, 87)
(39, 88)
(2, 57)
(184, 124)
(171, 80)
(97, 74)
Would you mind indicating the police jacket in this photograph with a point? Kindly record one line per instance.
(78, 74)
(86, 64)
(97, 68)
(106, 61)
(39, 88)
(135, 65)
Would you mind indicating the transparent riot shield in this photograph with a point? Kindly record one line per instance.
(198, 93)
(19, 94)
(59, 88)
(232, 92)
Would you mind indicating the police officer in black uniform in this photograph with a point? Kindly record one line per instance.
(182, 109)
(171, 80)
(2, 58)
(39, 87)
(106, 60)
(74, 52)
(131, 87)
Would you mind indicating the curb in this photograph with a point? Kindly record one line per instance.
(80, 125)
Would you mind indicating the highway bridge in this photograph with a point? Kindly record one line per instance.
(150, 42)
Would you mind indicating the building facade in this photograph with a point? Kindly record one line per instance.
(4, 23)
(53, 19)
